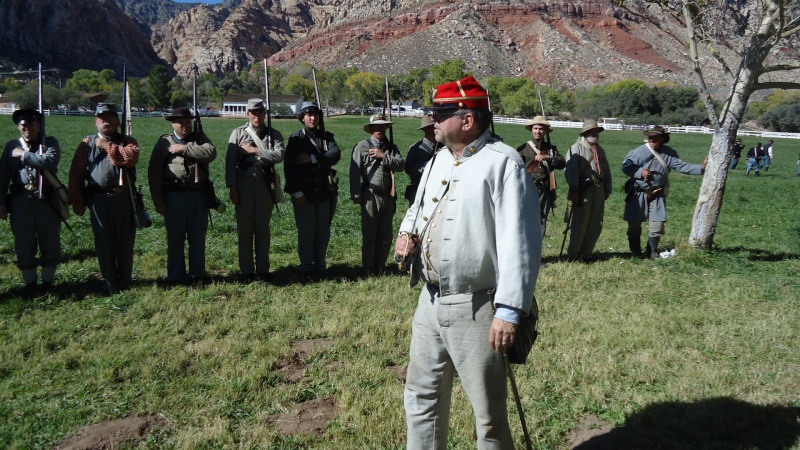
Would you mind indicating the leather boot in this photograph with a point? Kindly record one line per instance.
(635, 245)
(652, 245)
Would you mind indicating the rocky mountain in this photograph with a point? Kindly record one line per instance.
(73, 34)
(574, 42)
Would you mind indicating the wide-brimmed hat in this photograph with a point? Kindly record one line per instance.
(427, 121)
(465, 93)
(539, 120)
(255, 104)
(657, 130)
(106, 108)
(589, 125)
(308, 107)
(179, 113)
(376, 119)
(26, 114)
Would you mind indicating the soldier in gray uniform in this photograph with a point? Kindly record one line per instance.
(102, 173)
(177, 174)
(34, 220)
(372, 186)
(253, 151)
(648, 167)
(418, 156)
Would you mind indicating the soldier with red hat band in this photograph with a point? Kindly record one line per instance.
(371, 186)
(34, 220)
(478, 253)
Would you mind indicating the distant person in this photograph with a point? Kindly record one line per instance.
(372, 186)
(310, 157)
(102, 173)
(768, 153)
(418, 156)
(754, 157)
(736, 154)
(253, 151)
(35, 222)
(542, 160)
(590, 184)
(178, 174)
(798, 166)
(648, 167)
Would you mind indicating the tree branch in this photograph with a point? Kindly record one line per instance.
(775, 85)
(779, 68)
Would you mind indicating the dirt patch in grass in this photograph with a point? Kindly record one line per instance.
(309, 417)
(399, 372)
(590, 427)
(113, 433)
(293, 371)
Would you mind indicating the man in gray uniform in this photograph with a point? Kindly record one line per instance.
(102, 173)
(478, 252)
(177, 174)
(372, 186)
(34, 220)
(418, 156)
(253, 151)
(648, 167)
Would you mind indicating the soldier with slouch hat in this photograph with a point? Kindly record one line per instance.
(178, 179)
(35, 222)
(478, 252)
(542, 160)
(589, 178)
(371, 185)
(311, 154)
(648, 167)
(102, 167)
(253, 151)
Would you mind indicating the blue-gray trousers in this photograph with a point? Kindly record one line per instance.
(313, 223)
(36, 227)
(253, 214)
(114, 236)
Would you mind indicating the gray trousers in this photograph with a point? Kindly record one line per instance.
(36, 227)
(587, 222)
(313, 223)
(114, 237)
(253, 214)
(449, 335)
(545, 205)
(377, 212)
(186, 220)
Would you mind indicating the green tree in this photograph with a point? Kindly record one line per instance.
(331, 88)
(449, 70)
(158, 87)
(92, 81)
(367, 87)
(298, 85)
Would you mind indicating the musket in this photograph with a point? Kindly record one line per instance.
(321, 116)
(489, 101)
(124, 130)
(569, 225)
(393, 190)
(269, 134)
(552, 149)
(197, 125)
(40, 177)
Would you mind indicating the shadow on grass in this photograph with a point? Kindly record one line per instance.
(757, 254)
(716, 423)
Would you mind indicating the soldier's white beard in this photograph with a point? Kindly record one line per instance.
(592, 139)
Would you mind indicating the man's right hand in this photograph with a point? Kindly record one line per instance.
(79, 209)
(161, 209)
(357, 200)
(3, 213)
(234, 195)
(405, 245)
(300, 201)
(647, 175)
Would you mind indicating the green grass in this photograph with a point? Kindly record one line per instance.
(697, 351)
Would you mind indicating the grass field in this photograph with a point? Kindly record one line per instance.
(697, 351)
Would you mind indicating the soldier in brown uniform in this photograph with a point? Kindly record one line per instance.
(177, 174)
(542, 159)
(372, 186)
